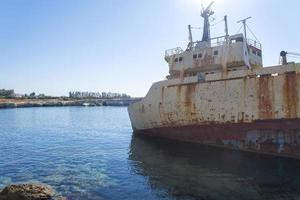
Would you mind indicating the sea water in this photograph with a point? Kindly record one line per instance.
(91, 153)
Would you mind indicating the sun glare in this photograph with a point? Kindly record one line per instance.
(199, 3)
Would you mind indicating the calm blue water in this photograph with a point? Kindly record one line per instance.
(90, 153)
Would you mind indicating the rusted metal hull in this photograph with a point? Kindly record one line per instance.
(274, 137)
(248, 110)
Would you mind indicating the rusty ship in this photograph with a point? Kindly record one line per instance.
(218, 93)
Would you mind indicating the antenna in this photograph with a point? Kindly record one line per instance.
(244, 22)
(208, 7)
(190, 45)
(190, 34)
(226, 28)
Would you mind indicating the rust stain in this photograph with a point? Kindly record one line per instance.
(243, 100)
(189, 100)
(224, 75)
(197, 63)
(167, 118)
(208, 58)
(181, 76)
(265, 97)
(160, 107)
(178, 98)
(142, 109)
(173, 65)
(161, 104)
(241, 117)
(235, 63)
(162, 94)
(269, 137)
(244, 87)
(298, 95)
(290, 95)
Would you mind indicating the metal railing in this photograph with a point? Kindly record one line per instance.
(254, 43)
(214, 42)
(218, 41)
(174, 51)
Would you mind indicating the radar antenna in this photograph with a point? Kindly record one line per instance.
(206, 13)
(244, 22)
(284, 54)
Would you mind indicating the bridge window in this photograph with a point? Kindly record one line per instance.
(235, 40)
(180, 59)
(200, 55)
(195, 56)
(216, 53)
(240, 39)
(259, 53)
(176, 59)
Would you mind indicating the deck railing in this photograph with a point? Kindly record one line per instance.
(174, 51)
(214, 42)
(254, 43)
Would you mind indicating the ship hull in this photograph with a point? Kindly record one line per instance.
(249, 110)
(273, 137)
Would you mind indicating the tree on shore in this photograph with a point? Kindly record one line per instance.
(32, 94)
(97, 95)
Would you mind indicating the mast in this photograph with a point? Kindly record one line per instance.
(206, 13)
(226, 28)
(190, 34)
(244, 22)
(190, 45)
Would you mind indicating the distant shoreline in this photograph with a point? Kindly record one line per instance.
(6, 103)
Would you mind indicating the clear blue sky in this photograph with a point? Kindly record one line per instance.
(57, 46)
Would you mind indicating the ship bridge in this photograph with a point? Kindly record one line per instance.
(213, 55)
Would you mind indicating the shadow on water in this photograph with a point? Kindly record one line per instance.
(189, 171)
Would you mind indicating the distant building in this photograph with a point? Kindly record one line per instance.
(7, 93)
(96, 95)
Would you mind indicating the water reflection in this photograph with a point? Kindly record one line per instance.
(186, 171)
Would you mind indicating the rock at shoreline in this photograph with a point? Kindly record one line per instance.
(28, 192)
(8, 105)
